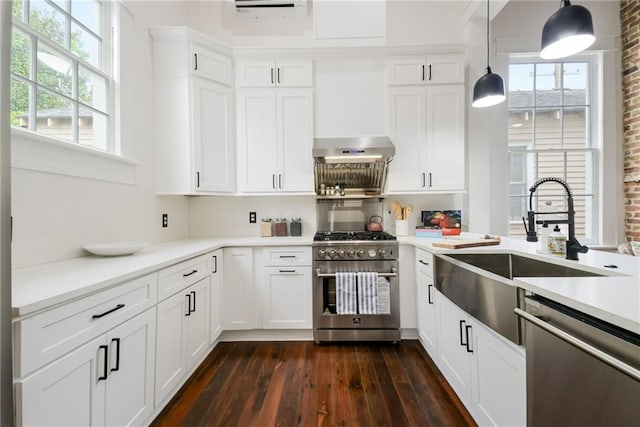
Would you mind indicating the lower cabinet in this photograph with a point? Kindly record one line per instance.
(107, 381)
(183, 336)
(238, 289)
(287, 298)
(426, 303)
(485, 370)
(217, 261)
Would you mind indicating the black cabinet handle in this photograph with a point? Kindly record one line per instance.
(104, 365)
(117, 342)
(429, 294)
(430, 182)
(287, 271)
(429, 72)
(215, 263)
(423, 262)
(273, 181)
(462, 322)
(272, 76)
(278, 75)
(197, 179)
(116, 308)
(195, 55)
(287, 256)
(280, 181)
(467, 328)
(424, 180)
(194, 302)
(189, 274)
(422, 72)
(188, 305)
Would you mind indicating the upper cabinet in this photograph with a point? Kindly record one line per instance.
(429, 69)
(194, 119)
(280, 73)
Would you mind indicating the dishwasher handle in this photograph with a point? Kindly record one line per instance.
(587, 348)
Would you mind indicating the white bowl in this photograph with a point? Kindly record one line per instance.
(115, 248)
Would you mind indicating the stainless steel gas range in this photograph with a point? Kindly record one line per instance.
(347, 265)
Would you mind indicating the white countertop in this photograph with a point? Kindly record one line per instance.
(615, 299)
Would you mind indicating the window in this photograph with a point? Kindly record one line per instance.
(551, 110)
(61, 80)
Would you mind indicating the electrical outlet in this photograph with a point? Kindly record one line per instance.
(165, 220)
(252, 217)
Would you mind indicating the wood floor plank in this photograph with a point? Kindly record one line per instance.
(306, 384)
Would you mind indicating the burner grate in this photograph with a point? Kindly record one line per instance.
(336, 236)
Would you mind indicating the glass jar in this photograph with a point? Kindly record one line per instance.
(296, 227)
(280, 227)
(265, 227)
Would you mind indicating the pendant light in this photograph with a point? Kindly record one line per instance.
(568, 31)
(489, 89)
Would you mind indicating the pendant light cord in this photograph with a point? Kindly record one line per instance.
(488, 67)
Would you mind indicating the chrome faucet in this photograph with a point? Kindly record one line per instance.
(573, 246)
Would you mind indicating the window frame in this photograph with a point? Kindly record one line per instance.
(593, 227)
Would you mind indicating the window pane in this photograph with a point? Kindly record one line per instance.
(576, 127)
(47, 21)
(93, 129)
(548, 128)
(88, 13)
(19, 103)
(520, 85)
(92, 89)
(62, 4)
(20, 53)
(54, 71)
(54, 115)
(550, 164)
(579, 169)
(521, 127)
(85, 45)
(583, 205)
(517, 209)
(517, 171)
(17, 10)
(575, 83)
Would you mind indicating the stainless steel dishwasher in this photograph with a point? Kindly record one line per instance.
(581, 371)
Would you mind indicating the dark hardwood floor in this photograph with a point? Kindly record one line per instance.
(306, 384)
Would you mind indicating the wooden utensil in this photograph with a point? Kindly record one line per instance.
(408, 211)
(396, 210)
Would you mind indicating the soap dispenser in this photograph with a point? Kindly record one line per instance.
(557, 242)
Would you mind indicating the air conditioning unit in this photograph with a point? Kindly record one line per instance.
(272, 8)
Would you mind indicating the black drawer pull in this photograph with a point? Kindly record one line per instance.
(429, 300)
(104, 365)
(466, 328)
(117, 307)
(463, 344)
(287, 271)
(194, 302)
(188, 305)
(423, 262)
(117, 341)
(189, 274)
(287, 256)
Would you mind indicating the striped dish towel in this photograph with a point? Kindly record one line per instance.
(384, 296)
(346, 293)
(367, 292)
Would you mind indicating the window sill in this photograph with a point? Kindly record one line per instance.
(38, 153)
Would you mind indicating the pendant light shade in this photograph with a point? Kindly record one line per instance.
(568, 31)
(489, 89)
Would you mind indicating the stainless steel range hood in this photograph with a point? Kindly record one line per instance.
(356, 166)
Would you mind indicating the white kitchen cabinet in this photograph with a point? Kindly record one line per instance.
(217, 261)
(86, 387)
(429, 69)
(194, 130)
(275, 137)
(486, 371)
(238, 312)
(426, 303)
(279, 73)
(183, 336)
(427, 129)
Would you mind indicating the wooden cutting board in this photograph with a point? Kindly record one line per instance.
(465, 243)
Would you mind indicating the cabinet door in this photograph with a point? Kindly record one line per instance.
(256, 74)
(287, 298)
(406, 70)
(197, 322)
(445, 137)
(131, 373)
(427, 319)
(407, 131)
(211, 65)
(215, 329)
(213, 136)
(444, 68)
(69, 392)
(454, 359)
(295, 134)
(170, 345)
(499, 386)
(257, 137)
(292, 73)
(237, 289)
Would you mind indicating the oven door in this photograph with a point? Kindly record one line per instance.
(324, 296)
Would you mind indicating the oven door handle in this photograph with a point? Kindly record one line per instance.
(587, 348)
(394, 273)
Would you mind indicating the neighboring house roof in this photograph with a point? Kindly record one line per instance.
(61, 113)
(546, 98)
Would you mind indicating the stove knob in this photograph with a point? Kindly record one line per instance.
(360, 253)
(332, 253)
(342, 253)
(382, 252)
(351, 253)
(322, 253)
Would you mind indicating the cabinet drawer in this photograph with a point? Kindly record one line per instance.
(424, 262)
(177, 277)
(42, 338)
(287, 256)
(211, 65)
